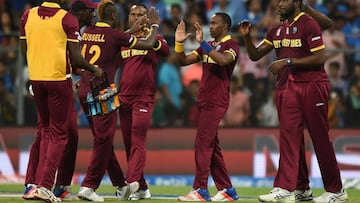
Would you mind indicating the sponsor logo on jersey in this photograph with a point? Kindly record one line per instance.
(287, 43)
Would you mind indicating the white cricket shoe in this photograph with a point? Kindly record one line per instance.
(134, 187)
(29, 192)
(45, 195)
(278, 195)
(129, 189)
(141, 194)
(303, 195)
(329, 197)
(89, 194)
(122, 193)
(225, 195)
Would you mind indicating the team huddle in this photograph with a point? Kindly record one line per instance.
(75, 45)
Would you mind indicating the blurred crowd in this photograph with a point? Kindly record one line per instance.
(252, 87)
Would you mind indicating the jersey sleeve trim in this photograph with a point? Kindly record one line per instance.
(267, 41)
(133, 42)
(158, 47)
(232, 54)
(72, 40)
(197, 54)
(22, 37)
(317, 48)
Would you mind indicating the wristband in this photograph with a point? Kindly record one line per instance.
(179, 47)
(206, 47)
(155, 25)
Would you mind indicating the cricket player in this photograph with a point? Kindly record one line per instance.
(218, 59)
(302, 93)
(137, 95)
(101, 45)
(48, 69)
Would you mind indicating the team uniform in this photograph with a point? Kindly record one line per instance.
(101, 47)
(302, 99)
(282, 77)
(137, 95)
(213, 101)
(51, 85)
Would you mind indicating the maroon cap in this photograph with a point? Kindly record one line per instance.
(79, 5)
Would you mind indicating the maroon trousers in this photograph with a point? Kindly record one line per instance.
(306, 103)
(54, 107)
(208, 156)
(103, 156)
(303, 176)
(135, 114)
(67, 165)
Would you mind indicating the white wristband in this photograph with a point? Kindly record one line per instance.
(155, 25)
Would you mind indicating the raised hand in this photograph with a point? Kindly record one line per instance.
(199, 32)
(244, 27)
(139, 25)
(153, 16)
(180, 33)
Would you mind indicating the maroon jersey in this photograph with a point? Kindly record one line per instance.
(100, 46)
(215, 80)
(138, 75)
(297, 40)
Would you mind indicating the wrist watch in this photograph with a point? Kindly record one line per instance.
(288, 61)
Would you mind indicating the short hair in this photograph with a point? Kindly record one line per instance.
(301, 1)
(176, 5)
(141, 5)
(226, 18)
(104, 8)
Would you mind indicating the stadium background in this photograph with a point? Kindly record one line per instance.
(252, 116)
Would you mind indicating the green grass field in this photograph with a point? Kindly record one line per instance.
(161, 194)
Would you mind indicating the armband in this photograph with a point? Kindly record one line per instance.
(206, 47)
(179, 47)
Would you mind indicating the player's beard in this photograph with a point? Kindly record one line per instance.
(287, 14)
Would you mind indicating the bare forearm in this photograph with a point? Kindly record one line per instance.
(252, 51)
(309, 61)
(180, 58)
(220, 58)
(79, 61)
(149, 41)
(324, 21)
(23, 47)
